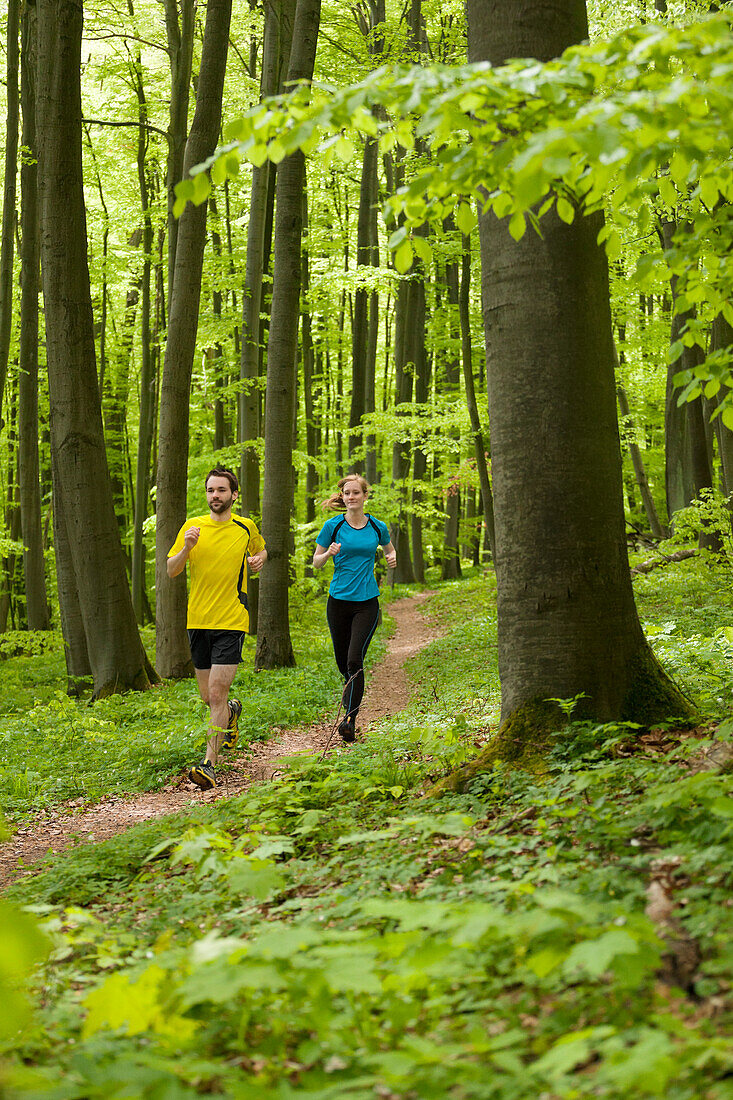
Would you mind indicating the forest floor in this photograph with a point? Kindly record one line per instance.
(75, 822)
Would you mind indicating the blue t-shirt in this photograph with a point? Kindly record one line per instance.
(353, 566)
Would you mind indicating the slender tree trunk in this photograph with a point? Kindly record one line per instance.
(568, 626)
(274, 647)
(7, 241)
(479, 446)
(638, 464)
(451, 557)
(180, 55)
(83, 494)
(173, 656)
(278, 34)
(360, 327)
(12, 513)
(311, 427)
(37, 610)
(403, 572)
(146, 427)
(722, 338)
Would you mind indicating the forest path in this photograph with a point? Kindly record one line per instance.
(68, 825)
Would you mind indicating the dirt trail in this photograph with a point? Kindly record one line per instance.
(65, 826)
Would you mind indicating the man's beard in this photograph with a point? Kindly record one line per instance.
(220, 505)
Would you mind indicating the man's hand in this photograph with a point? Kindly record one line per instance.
(191, 537)
(257, 561)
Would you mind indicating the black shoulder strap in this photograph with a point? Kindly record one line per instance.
(337, 528)
(374, 525)
(245, 527)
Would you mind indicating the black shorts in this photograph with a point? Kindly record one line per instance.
(215, 647)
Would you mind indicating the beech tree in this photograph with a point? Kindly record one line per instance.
(567, 622)
(173, 655)
(274, 647)
(95, 568)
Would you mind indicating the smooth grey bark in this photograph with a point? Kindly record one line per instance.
(479, 445)
(34, 570)
(638, 463)
(274, 645)
(722, 338)
(7, 239)
(403, 572)
(76, 652)
(173, 655)
(312, 428)
(146, 426)
(179, 34)
(567, 623)
(82, 484)
(360, 326)
(278, 34)
(450, 557)
(678, 475)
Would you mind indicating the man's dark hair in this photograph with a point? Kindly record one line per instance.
(224, 471)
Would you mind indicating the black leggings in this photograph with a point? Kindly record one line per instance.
(352, 624)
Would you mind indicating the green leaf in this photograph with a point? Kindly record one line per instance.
(422, 249)
(22, 946)
(565, 210)
(595, 956)
(727, 417)
(184, 193)
(667, 191)
(466, 218)
(403, 257)
(517, 225)
(201, 188)
(345, 149)
(709, 191)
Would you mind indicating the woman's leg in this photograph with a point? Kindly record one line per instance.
(363, 624)
(338, 616)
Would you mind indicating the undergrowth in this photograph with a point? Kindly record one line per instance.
(335, 933)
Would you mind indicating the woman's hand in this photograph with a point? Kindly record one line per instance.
(390, 555)
(323, 553)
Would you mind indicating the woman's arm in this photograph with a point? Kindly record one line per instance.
(323, 553)
(390, 555)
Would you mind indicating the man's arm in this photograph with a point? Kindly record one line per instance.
(177, 563)
(257, 560)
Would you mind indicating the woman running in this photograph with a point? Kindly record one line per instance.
(353, 604)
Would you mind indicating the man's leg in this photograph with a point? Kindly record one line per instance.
(220, 680)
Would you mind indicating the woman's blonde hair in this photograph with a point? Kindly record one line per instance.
(337, 501)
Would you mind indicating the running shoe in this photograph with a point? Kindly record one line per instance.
(347, 729)
(203, 775)
(231, 733)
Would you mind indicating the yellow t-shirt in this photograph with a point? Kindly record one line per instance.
(217, 599)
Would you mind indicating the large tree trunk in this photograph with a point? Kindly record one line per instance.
(274, 647)
(173, 655)
(83, 498)
(7, 240)
(37, 611)
(568, 626)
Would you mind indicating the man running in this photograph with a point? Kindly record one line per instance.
(218, 546)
